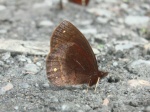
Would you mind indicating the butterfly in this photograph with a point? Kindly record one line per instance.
(80, 2)
(71, 60)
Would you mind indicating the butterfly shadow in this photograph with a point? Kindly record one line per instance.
(82, 87)
(69, 87)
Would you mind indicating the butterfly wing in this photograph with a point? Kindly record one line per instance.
(71, 60)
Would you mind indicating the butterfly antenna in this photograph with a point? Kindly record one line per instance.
(88, 86)
(97, 83)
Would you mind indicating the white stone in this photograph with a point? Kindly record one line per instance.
(137, 20)
(2, 7)
(45, 23)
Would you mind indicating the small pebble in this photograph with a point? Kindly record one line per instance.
(89, 31)
(96, 51)
(45, 23)
(6, 56)
(115, 64)
(1, 63)
(46, 85)
(2, 7)
(16, 107)
(24, 85)
(31, 68)
(147, 109)
(137, 20)
(39, 64)
(21, 58)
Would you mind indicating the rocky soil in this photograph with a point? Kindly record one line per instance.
(118, 31)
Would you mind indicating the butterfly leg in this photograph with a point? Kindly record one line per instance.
(61, 4)
(87, 89)
(88, 86)
(97, 83)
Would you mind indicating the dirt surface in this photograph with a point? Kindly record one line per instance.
(118, 31)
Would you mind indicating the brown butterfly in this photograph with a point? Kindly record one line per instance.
(71, 60)
(80, 2)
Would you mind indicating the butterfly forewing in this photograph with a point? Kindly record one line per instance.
(66, 32)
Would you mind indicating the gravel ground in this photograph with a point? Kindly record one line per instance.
(118, 31)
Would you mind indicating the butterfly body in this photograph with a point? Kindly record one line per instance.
(71, 60)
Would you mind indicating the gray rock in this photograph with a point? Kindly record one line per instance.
(54, 99)
(124, 45)
(111, 1)
(84, 22)
(16, 107)
(3, 31)
(29, 60)
(96, 51)
(89, 31)
(45, 23)
(136, 66)
(86, 107)
(70, 107)
(137, 20)
(147, 109)
(36, 85)
(101, 12)
(1, 63)
(2, 7)
(5, 15)
(6, 88)
(22, 58)
(124, 6)
(101, 35)
(19, 15)
(2, 91)
(113, 79)
(46, 3)
(39, 64)
(133, 103)
(145, 6)
(115, 64)
(24, 85)
(5, 56)
(31, 68)
(139, 62)
(46, 85)
(102, 20)
(121, 20)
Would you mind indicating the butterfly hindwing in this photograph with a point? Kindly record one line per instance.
(64, 67)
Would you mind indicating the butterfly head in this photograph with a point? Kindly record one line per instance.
(102, 74)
